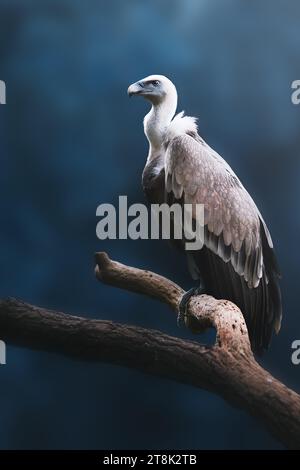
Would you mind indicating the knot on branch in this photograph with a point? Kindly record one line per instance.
(204, 311)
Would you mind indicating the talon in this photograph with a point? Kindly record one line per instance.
(183, 306)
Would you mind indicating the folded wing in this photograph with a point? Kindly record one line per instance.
(237, 261)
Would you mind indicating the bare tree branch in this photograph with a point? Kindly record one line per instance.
(227, 369)
(204, 310)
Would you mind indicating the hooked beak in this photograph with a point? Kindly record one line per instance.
(135, 89)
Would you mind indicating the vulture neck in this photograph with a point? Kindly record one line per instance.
(156, 123)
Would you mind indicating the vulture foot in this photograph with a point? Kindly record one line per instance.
(183, 306)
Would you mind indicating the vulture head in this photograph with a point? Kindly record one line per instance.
(155, 88)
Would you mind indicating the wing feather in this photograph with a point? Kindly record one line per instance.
(235, 232)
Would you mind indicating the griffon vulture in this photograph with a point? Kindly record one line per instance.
(237, 260)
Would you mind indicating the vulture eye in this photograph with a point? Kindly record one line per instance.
(153, 82)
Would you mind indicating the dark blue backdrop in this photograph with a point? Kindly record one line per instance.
(70, 140)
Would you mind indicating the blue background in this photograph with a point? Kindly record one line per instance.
(70, 139)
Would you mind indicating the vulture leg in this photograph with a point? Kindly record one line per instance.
(183, 306)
